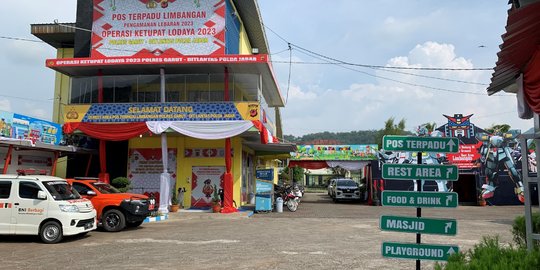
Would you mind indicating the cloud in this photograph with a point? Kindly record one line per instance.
(5, 105)
(27, 53)
(365, 106)
(295, 93)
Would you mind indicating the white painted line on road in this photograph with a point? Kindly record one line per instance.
(178, 242)
(310, 253)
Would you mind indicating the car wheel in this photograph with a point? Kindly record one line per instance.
(135, 224)
(51, 232)
(113, 220)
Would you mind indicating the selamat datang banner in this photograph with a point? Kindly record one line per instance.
(153, 28)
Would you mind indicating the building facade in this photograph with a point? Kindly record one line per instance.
(174, 94)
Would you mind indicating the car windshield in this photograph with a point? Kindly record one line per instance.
(105, 188)
(346, 183)
(61, 190)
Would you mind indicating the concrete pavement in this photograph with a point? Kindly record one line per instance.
(320, 235)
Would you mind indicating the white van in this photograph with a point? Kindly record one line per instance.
(43, 205)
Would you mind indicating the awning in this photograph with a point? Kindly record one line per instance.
(271, 148)
(520, 42)
(28, 144)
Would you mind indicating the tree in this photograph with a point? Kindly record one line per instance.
(390, 128)
(430, 126)
(297, 174)
(502, 128)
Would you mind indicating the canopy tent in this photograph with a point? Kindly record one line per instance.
(321, 164)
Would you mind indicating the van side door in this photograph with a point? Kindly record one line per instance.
(6, 206)
(30, 210)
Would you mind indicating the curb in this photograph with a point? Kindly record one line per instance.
(156, 219)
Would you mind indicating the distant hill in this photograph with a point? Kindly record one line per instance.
(352, 137)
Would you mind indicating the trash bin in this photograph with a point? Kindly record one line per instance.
(251, 197)
(279, 205)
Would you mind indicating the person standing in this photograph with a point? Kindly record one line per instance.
(181, 192)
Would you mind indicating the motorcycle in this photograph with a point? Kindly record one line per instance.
(298, 191)
(289, 197)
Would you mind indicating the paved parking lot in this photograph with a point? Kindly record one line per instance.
(320, 235)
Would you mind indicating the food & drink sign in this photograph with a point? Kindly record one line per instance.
(150, 27)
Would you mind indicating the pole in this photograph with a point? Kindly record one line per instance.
(419, 210)
(8, 159)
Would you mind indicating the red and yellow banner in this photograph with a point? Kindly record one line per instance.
(152, 27)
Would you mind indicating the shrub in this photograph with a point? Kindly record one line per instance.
(489, 254)
(519, 233)
(121, 183)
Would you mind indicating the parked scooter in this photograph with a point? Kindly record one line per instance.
(298, 191)
(289, 197)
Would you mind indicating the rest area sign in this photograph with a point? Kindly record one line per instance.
(421, 172)
(420, 144)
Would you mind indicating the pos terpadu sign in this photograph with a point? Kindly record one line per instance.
(418, 251)
(420, 172)
(420, 144)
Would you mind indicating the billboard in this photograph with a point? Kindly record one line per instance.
(145, 167)
(150, 27)
(173, 111)
(336, 152)
(22, 127)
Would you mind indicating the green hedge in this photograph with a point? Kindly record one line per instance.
(518, 230)
(121, 183)
(490, 255)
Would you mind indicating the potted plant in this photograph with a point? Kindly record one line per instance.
(216, 201)
(174, 202)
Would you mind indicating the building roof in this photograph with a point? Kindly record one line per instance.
(57, 35)
(521, 40)
(251, 16)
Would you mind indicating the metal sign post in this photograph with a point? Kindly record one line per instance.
(419, 172)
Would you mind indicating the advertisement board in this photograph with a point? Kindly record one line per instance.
(204, 181)
(336, 152)
(149, 27)
(467, 157)
(174, 111)
(145, 167)
(18, 126)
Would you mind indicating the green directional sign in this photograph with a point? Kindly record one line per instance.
(418, 251)
(420, 144)
(420, 172)
(420, 199)
(419, 225)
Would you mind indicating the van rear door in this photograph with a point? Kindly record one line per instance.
(30, 210)
(6, 206)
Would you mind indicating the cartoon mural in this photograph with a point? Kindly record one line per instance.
(499, 153)
(493, 160)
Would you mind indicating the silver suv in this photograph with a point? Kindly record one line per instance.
(345, 189)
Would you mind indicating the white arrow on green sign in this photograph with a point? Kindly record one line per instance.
(420, 199)
(418, 251)
(418, 225)
(420, 144)
(420, 172)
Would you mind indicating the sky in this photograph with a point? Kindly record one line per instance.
(323, 96)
